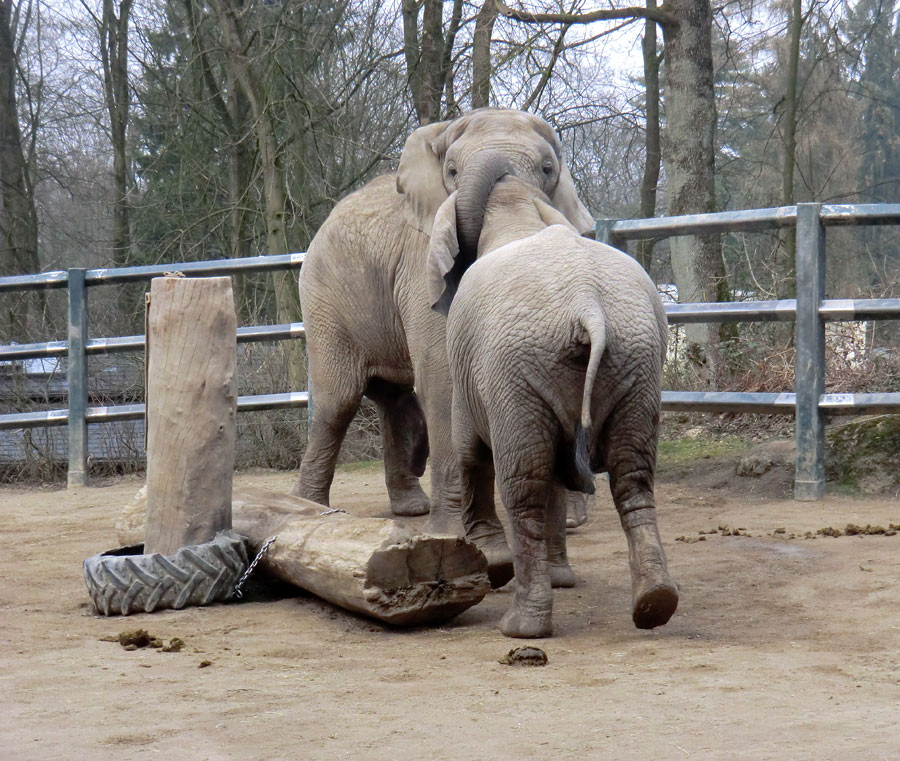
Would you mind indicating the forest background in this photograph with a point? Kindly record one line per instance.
(150, 131)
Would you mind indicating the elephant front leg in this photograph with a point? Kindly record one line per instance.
(561, 573)
(576, 509)
(405, 441)
(446, 495)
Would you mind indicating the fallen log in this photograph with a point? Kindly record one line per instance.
(372, 566)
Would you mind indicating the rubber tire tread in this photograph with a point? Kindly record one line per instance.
(120, 583)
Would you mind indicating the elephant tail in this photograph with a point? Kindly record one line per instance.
(594, 325)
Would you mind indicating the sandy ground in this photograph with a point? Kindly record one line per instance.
(781, 649)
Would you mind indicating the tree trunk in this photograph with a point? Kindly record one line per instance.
(287, 297)
(652, 151)
(191, 406)
(22, 314)
(786, 287)
(428, 60)
(481, 55)
(689, 158)
(114, 54)
(232, 108)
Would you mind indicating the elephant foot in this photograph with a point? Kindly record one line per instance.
(444, 522)
(654, 605)
(413, 502)
(492, 543)
(521, 624)
(655, 595)
(561, 575)
(576, 509)
(313, 495)
(500, 563)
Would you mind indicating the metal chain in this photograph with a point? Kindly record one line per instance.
(262, 551)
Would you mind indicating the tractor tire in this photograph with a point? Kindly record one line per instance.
(125, 581)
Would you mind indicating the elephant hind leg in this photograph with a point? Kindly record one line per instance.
(405, 438)
(479, 512)
(526, 483)
(630, 451)
(330, 421)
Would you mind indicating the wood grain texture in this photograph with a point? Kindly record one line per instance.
(191, 405)
(372, 566)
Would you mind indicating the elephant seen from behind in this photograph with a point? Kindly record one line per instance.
(556, 345)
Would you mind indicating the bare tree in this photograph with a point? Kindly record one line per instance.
(429, 54)
(18, 218)
(253, 86)
(688, 149)
(111, 25)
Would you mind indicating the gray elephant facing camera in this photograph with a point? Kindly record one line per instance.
(369, 326)
(556, 346)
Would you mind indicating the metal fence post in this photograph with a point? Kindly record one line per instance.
(604, 231)
(809, 474)
(77, 380)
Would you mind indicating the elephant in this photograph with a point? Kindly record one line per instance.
(556, 345)
(369, 326)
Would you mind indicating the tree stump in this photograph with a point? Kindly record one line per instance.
(372, 566)
(191, 405)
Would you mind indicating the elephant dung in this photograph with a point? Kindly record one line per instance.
(371, 566)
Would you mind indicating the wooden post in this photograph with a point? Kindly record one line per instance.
(372, 566)
(191, 404)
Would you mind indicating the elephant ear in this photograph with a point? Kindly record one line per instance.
(551, 216)
(444, 267)
(420, 175)
(565, 198)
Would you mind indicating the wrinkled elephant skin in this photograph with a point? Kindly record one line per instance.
(369, 326)
(556, 346)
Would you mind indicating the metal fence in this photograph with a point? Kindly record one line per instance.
(810, 310)
(79, 347)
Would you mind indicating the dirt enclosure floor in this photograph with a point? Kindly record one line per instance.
(782, 648)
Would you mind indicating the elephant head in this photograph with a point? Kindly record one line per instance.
(470, 153)
(478, 218)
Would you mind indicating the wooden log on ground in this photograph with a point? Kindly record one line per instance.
(191, 405)
(373, 566)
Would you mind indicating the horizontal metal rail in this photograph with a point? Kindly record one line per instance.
(860, 214)
(47, 418)
(672, 401)
(755, 220)
(784, 403)
(752, 220)
(106, 276)
(830, 310)
(248, 334)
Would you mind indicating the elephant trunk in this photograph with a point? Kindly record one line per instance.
(474, 188)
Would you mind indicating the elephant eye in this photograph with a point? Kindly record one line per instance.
(547, 168)
(451, 171)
